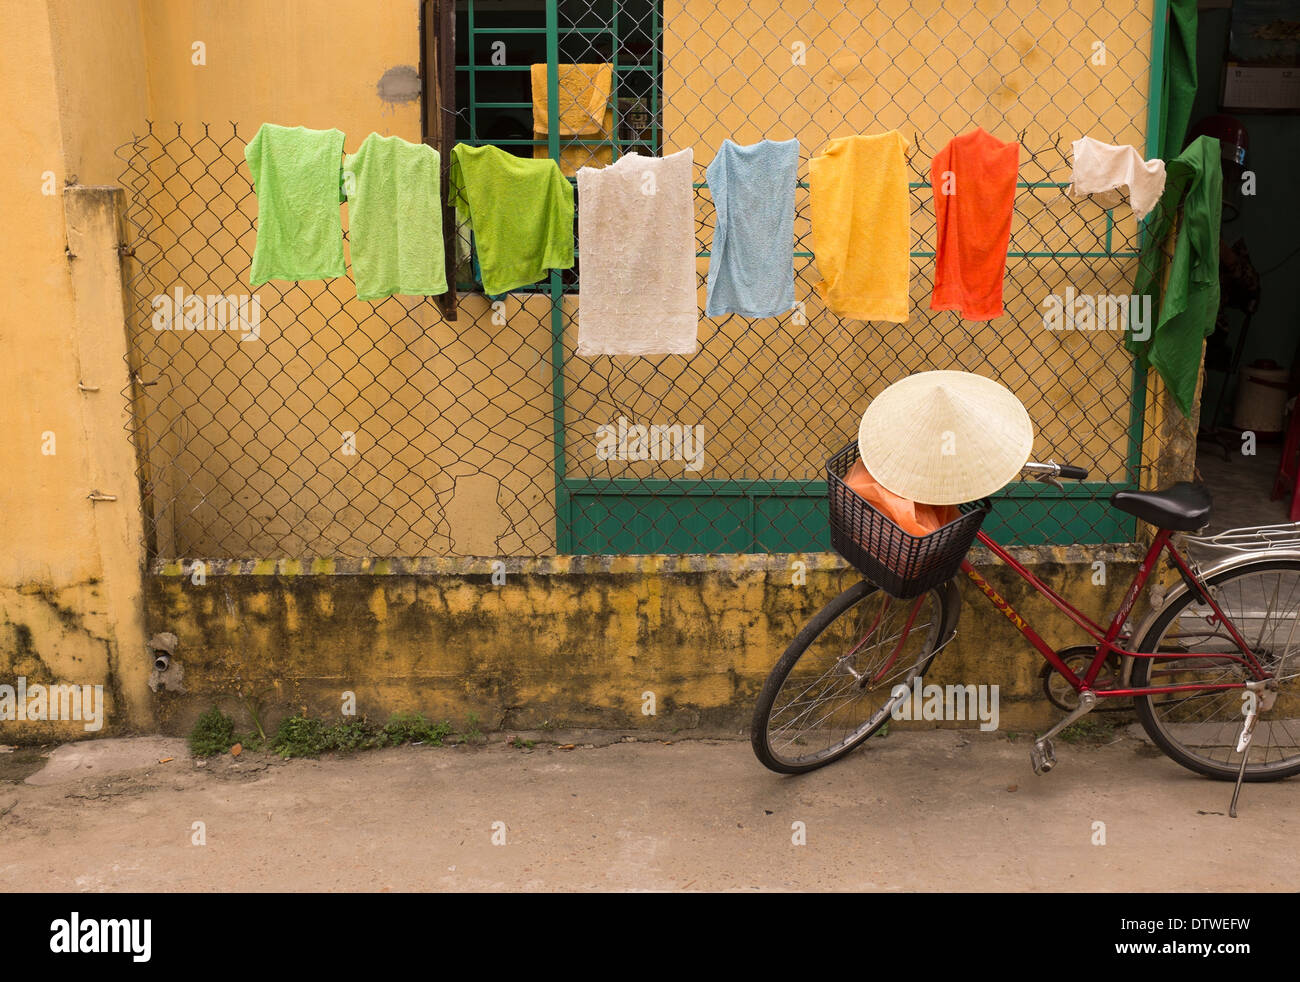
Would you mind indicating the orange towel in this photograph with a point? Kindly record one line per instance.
(974, 184)
(911, 517)
(584, 113)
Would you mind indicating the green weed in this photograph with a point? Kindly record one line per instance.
(472, 733)
(414, 728)
(303, 736)
(213, 733)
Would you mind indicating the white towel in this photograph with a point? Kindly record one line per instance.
(1101, 169)
(636, 243)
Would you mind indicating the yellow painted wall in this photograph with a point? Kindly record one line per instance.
(307, 63)
(101, 77)
(70, 569)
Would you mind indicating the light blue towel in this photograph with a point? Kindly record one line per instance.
(751, 261)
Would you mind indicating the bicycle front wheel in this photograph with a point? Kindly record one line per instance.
(1199, 730)
(835, 684)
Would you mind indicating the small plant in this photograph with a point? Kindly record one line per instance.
(253, 704)
(352, 734)
(414, 728)
(299, 736)
(302, 736)
(213, 733)
(472, 733)
(519, 743)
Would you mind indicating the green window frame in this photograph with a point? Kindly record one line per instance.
(609, 30)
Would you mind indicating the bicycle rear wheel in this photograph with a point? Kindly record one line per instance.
(1199, 730)
(833, 686)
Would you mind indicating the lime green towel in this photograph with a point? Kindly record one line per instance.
(298, 178)
(521, 213)
(394, 218)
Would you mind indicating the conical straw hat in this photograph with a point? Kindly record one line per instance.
(943, 438)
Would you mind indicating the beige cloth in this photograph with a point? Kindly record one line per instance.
(1101, 169)
(585, 113)
(636, 231)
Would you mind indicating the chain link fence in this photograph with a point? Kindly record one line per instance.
(308, 423)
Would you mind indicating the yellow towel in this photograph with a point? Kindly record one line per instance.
(861, 228)
(584, 112)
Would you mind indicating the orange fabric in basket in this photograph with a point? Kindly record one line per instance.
(911, 517)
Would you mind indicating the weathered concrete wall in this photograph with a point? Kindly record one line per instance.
(86, 75)
(563, 642)
(70, 569)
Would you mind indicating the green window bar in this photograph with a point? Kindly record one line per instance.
(563, 501)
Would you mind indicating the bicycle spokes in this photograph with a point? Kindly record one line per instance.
(844, 682)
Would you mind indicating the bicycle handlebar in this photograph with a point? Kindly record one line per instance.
(1053, 469)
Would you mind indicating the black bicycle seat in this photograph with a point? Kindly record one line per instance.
(1185, 507)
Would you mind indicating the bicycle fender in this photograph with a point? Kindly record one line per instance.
(1182, 587)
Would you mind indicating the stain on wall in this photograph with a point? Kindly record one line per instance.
(399, 85)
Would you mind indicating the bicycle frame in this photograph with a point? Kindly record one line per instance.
(1107, 639)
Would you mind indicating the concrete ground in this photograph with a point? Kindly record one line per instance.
(917, 810)
(1241, 485)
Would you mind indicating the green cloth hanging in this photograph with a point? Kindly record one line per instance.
(1178, 80)
(1189, 302)
(1186, 309)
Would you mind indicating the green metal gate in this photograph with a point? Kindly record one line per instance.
(609, 514)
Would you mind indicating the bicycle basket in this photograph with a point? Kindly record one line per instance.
(901, 564)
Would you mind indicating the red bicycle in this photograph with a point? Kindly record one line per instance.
(1212, 671)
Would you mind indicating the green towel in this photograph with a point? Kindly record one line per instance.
(395, 218)
(298, 178)
(1190, 300)
(521, 213)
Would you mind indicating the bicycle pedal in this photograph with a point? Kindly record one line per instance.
(1042, 756)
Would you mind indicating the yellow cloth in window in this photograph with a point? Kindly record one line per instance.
(585, 113)
(861, 226)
